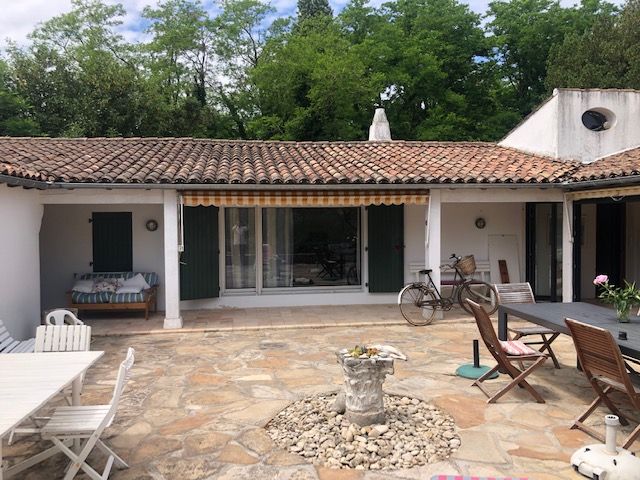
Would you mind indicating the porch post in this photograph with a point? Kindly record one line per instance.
(171, 261)
(433, 239)
(567, 250)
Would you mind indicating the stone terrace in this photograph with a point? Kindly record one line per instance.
(197, 402)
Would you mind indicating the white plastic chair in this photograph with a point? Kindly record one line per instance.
(62, 317)
(87, 423)
(8, 344)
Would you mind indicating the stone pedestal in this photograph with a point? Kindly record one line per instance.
(363, 379)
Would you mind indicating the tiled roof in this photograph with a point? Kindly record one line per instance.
(201, 161)
(618, 165)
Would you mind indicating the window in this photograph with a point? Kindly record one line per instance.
(112, 241)
(598, 120)
(304, 247)
(240, 248)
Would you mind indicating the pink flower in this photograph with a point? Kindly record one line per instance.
(600, 279)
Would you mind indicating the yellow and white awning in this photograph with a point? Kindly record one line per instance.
(614, 192)
(300, 198)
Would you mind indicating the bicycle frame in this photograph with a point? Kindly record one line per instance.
(446, 303)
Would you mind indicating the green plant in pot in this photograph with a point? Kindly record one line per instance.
(622, 298)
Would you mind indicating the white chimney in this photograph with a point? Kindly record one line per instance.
(379, 130)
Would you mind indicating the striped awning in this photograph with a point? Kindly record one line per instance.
(298, 198)
(614, 192)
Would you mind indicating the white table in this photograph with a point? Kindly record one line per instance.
(28, 381)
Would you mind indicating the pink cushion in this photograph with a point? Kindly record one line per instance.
(516, 347)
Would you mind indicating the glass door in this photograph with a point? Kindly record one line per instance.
(544, 250)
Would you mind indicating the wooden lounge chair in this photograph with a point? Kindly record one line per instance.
(522, 293)
(8, 344)
(605, 368)
(505, 360)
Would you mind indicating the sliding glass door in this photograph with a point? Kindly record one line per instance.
(544, 250)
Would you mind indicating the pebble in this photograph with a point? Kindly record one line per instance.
(415, 434)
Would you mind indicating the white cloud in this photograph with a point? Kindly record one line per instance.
(20, 17)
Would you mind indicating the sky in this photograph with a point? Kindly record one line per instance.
(19, 17)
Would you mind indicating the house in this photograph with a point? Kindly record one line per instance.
(266, 223)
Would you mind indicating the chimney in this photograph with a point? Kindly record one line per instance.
(379, 130)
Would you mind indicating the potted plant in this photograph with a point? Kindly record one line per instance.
(622, 298)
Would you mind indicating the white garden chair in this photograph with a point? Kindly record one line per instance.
(62, 317)
(53, 338)
(8, 344)
(87, 423)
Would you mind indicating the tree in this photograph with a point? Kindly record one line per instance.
(606, 56)
(15, 114)
(79, 75)
(525, 31)
(312, 86)
(313, 8)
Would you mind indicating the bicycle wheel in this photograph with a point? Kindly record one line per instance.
(417, 304)
(482, 293)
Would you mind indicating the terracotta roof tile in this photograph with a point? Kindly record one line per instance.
(621, 164)
(202, 161)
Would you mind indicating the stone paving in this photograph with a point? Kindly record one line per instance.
(197, 402)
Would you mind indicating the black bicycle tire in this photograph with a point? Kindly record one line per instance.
(409, 318)
(466, 287)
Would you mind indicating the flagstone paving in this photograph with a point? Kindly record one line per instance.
(196, 404)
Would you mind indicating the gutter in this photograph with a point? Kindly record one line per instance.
(602, 182)
(267, 187)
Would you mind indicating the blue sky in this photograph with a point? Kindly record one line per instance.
(19, 17)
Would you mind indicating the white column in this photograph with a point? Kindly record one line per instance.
(567, 250)
(171, 261)
(433, 239)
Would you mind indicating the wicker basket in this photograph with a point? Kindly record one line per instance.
(467, 265)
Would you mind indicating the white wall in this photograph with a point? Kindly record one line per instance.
(20, 217)
(414, 238)
(556, 128)
(66, 246)
(538, 133)
(461, 236)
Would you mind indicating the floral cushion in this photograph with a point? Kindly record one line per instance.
(109, 285)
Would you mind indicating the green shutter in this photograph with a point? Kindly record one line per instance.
(112, 242)
(199, 261)
(386, 248)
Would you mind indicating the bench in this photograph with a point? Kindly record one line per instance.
(483, 271)
(145, 301)
(8, 344)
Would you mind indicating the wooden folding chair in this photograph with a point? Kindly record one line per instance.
(522, 293)
(87, 423)
(605, 368)
(504, 360)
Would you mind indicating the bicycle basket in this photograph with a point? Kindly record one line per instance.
(467, 265)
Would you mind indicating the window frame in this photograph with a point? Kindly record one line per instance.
(260, 289)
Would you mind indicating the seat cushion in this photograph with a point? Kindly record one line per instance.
(99, 297)
(516, 348)
(126, 298)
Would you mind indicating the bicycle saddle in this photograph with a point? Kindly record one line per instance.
(424, 272)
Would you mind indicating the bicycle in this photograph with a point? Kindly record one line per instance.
(419, 301)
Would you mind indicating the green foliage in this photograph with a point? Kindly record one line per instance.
(308, 9)
(605, 56)
(440, 73)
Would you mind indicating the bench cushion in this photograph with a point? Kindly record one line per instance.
(150, 277)
(100, 297)
(127, 298)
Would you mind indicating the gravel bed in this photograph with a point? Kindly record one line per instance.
(415, 433)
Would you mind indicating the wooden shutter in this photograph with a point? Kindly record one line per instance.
(199, 275)
(386, 248)
(112, 242)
